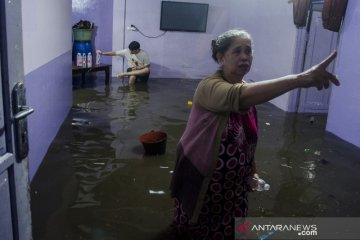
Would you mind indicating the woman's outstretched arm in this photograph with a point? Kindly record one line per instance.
(263, 91)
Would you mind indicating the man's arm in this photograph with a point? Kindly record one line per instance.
(112, 53)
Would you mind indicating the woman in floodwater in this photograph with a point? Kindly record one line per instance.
(215, 155)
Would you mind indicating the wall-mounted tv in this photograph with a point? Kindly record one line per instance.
(183, 16)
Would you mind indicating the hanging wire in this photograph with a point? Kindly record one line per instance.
(136, 29)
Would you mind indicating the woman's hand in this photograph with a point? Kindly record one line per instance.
(317, 76)
(252, 182)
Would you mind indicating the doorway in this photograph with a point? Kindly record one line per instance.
(320, 42)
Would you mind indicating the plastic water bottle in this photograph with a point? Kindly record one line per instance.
(89, 60)
(84, 60)
(262, 185)
(258, 184)
(79, 60)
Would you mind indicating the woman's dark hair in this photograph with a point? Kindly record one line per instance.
(134, 45)
(222, 43)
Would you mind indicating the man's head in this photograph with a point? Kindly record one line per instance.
(134, 47)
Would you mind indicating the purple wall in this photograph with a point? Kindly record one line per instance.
(101, 14)
(49, 92)
(344, 111)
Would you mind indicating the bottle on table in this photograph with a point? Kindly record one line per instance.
(79, 62)
(84, 60)
(89, 60)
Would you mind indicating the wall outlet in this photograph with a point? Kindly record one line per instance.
(131, 28)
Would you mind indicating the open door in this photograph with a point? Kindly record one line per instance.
(321, 42)
(15, 220)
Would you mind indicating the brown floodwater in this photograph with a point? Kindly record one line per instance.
(96, 182)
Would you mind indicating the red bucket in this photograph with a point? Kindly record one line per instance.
(154, 142)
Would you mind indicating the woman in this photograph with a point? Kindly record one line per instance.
(215, 155)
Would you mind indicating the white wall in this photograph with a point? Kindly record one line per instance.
(188, 55)
(344, 111)
(44, 29)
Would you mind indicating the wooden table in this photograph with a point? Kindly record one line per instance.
(95, 68)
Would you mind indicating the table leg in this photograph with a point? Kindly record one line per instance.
(107, 76)
(82, 79)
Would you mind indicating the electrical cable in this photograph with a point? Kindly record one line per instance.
(136, 29)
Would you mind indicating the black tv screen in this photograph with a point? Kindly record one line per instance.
(183, 16)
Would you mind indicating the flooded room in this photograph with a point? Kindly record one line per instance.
(156, 120)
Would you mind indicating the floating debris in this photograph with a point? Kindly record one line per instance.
(156, 192)
(163, 167)
(309, 162)
(312, 119)
(267, 124)
(285, 165)
(306, 150)
(171, 172)
(190, 103)
(80, 122)
(86, 107)
(317, 153)
(99, 163)
(309, 175)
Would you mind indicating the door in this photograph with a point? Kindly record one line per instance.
(15, 218)
(321, 42)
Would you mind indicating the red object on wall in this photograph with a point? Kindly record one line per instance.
(333, 14)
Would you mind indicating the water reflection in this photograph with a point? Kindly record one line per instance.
(93, 159)
(126, 119)
(309, 170)
(131, 96)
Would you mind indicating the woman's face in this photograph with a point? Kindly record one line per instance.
(236, 61)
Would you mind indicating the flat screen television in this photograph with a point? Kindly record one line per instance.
(183, 16)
